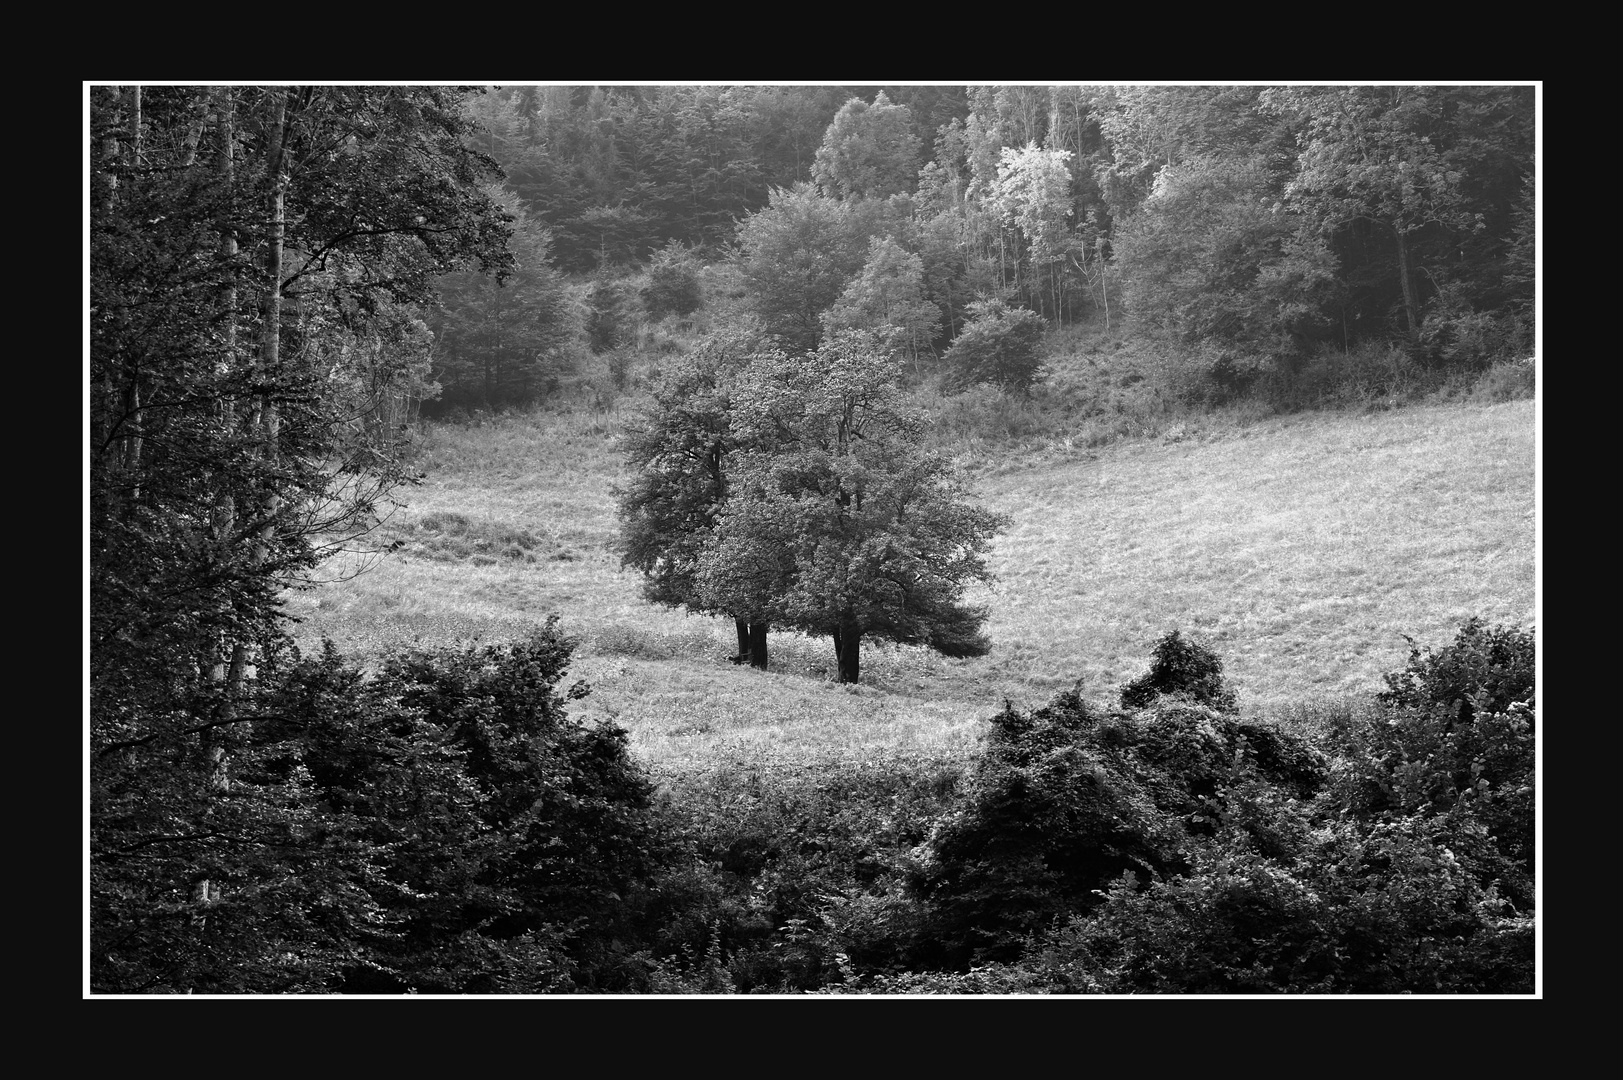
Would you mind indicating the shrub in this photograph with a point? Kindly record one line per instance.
(1372, 373)
(1514, 380)
(789, 867)
(510, 838)
(1498, 662)
(1455, 741)
(1456, 334)
(999, 345)
(1181, 667)
(1067, 798)
(1352, 908)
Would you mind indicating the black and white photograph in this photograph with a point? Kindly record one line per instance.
(737, 540)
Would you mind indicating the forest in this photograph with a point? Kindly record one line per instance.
(813, 323)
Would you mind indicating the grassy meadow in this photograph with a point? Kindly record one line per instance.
(1301, 548)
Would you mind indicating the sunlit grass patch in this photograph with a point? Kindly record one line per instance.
(1300, 548)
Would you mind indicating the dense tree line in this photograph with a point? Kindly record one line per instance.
(1249, 227)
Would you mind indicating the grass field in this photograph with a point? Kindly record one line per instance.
(1301, 548)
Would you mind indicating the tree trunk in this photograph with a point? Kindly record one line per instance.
(223, 518)
(751, 642)
(1099, 249)
(1411, 304)
(848, 652)
(132, 394)
(264, 425)
(267, 422)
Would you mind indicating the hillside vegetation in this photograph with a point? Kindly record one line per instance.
(817, 540)
(1302, 548)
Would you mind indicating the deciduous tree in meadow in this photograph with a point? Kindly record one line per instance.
(681, 452)
(837, 521)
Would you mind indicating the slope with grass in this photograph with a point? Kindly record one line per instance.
(1300, 548)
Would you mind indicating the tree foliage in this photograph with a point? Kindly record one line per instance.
(673, 283)
(999, 345)
(252, 273)
(504, 342)
(888, 298)
(869, 151)
(797, 255)
(1033, 195)
(793, 492)
(837, 522)
(1213, 257)
(680, 451)
(441, 826)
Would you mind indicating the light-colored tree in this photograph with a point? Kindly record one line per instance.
(1033, 195)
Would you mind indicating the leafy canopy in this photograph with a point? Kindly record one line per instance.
(837, 521)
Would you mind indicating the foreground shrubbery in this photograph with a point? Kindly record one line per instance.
(443, 826)
(1173, 847)
(1409, 869)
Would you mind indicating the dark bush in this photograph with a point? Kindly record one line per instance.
(511, 839)
(791, 867)
(1066, 799)
(1455, 740)
(999, 345)
(1181, 667)
(1347, 908)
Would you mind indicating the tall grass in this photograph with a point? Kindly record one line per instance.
(1301, 548)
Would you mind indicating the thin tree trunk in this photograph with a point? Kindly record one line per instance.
(1411, 304)
(267, 421)
(132, 390)
(114, 397)
(222, 521)
(1099, 251)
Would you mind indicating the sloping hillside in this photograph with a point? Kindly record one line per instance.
(1300, 548)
